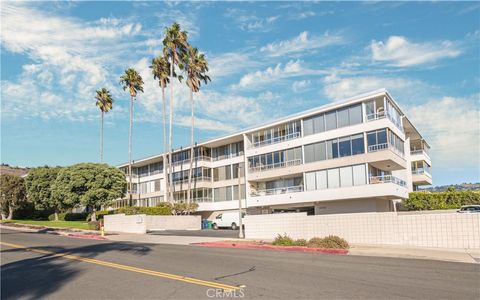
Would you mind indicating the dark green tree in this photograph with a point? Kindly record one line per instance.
(12, 194)
(91, 185)
(38, 184)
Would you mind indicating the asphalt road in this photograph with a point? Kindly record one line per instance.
(222, 233)
(89, 273)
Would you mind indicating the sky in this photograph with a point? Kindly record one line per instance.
(267, 60)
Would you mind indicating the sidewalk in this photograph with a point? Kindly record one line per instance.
(162, 239)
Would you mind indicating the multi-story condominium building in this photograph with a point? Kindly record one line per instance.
(358, 155)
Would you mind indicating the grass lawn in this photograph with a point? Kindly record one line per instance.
(65, 224)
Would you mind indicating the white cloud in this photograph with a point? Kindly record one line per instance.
(299, 86)
(230, 63)
(303, 42)
(400, 52)
(247, 21)
(452, 128)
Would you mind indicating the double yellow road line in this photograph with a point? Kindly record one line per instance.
(210, 284)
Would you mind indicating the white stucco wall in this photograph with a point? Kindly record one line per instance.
(124, 223)
(460, 231)
(174, 222)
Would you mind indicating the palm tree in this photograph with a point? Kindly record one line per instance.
(174, 46)
(196, 67)
(131, 81)
(161, 70)
(105, 103)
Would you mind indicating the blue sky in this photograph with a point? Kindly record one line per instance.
(267, 60)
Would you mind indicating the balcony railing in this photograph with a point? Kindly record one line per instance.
(195, 159)
(194, 179)
(375, 116)
(277, 139)
(421, 171)
(419, 152)
(277, 191)
(276, 165)
(384, 146)
(387, 179)
(203, 199)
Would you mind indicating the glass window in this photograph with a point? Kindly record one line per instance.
(298, 153)
(342, 115)
(335, 148)
(372, 138)
(310, 181)
(320, 152)
(308, 127)
(333, 178)
(321, 179)
(289, 155)
(329, 149)
(309, 153)
(358, 146)
(228, 193)
(381, 136)
(359, 177)
(228, 172)
(319, 124)
(355, 114)
(276, 157)
(331, 120)
(345, 147)
(269, 158)
(346, 177)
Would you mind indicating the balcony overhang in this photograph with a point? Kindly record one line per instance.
(421, 179)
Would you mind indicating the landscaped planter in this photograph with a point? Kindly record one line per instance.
(252, 245)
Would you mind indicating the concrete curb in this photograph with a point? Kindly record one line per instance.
(74, 233)
(271, 247)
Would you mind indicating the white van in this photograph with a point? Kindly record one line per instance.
(227, 220)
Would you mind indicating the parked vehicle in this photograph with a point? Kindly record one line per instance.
(227, 220)
(467, 209)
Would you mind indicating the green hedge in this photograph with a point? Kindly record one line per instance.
(330, 242)
(134, 210)
(69, 217)
(441, 200)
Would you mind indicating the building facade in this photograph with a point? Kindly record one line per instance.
(358, 155)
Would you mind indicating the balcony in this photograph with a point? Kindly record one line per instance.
(187, 161)
(421, 176)
(385, 146)
(377, 116)
(275, 140)
(203, 199)
(276, 165)
(277, 191)
(195, 179)
(387, 179)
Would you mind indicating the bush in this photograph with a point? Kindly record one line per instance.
(61, 217)
(301, 242)
(28, 212)
(164, 210)
(76, 216)
(94, 225)
(331, 241)
(283, 240)
(99, 214)
(441, 200)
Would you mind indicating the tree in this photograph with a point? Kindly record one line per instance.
(38, 184)
(13, 194)
(161, 70)
(105, 103)
(92, 185)
(174, 46)
(131, 81)
(196, 68)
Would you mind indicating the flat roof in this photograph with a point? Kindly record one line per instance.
(303, 114)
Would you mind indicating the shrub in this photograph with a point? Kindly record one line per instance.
(283, 240)
(94, 225)
(331, 241)
(99, 214)
(61, 217)
(441, 200)
(135, 210)
(76, 216)
(301, 242)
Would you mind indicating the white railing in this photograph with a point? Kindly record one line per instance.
(387, 179)
(419, 152)
(384, 146)
(203, 199)
(195, 159)
(276, 165)
(277, 139)
(194, 179)
(375, 116)
(421, 171)
(277, 191)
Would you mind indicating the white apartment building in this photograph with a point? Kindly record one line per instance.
(357, 155)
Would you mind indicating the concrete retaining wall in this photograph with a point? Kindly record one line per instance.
(446, 230)
(124, 223)
(174, 222)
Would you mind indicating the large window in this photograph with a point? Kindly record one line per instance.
(227, 151)
(276, 134)
(380, 139)
(341, 147)
(276, 159)
(341, 117)
(331, 120)
(335, 178)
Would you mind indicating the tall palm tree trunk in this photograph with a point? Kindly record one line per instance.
(191, 146)
(170, 143)
(101, 138)
(130, 151)
(165, 146)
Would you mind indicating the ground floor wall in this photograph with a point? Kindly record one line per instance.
(443, 230)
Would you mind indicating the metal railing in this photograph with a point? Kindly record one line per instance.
(387, 179)
(203, 199)
(276, 165)
(277, 139)
(195, 159)
(421, 171)
(194, 179)
(376, 116)
(384, 146)
(419, 152)
(277, 191)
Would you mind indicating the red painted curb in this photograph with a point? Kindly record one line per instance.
(86, 236)
(271, 247)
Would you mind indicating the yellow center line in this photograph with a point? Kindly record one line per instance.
(191, 280)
